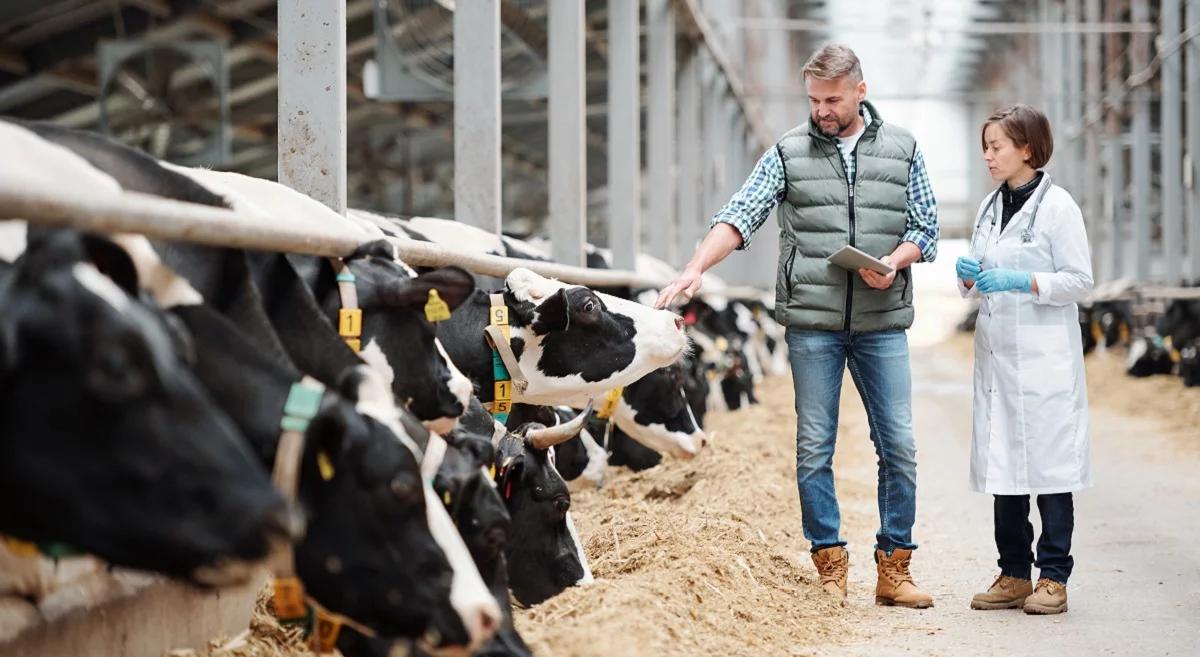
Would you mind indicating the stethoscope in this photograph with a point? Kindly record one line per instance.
(990, 213)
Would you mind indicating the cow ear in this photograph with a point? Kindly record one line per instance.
(453, 285)
(553, 314)
(112, 261)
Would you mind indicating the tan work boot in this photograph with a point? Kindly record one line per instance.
(1004, 593)
(1050, 597)
(832, 565)
(895, 586)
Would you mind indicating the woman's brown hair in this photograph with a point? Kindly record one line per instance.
(1025, 126)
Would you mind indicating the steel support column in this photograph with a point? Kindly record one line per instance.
(1171, 149)
(1141, 163)
(1092, 184)
(624, 134)
(662, 220)
(568, 129)
(1192, 175)
(477, 198)
(689, 189)
(312, 99)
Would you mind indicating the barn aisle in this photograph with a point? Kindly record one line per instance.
(707, 556)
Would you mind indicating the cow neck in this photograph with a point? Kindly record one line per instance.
(607, 412)
(349, 314)
(292, 604)
(298, 319)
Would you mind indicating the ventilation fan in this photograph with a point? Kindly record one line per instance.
(415, 49)
(168, 99)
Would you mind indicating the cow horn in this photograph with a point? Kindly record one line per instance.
(559, 433)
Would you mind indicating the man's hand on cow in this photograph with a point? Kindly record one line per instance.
(686, 284)
(876, 280)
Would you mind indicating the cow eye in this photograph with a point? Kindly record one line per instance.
(405, 487)
(115, 376)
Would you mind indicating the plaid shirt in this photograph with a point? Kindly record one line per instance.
(766, 188)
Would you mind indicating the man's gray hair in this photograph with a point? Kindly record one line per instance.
(832, 61)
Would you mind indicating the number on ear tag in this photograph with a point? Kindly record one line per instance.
(436, 310)
(499, 315)
(350, 322)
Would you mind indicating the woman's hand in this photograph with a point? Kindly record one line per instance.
(1003, 280)
(967, 269)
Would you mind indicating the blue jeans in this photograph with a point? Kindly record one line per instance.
(878, 362)
(1014, 536)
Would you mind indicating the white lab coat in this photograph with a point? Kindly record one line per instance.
(1031, 414)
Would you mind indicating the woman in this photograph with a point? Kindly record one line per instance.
(1029, 265)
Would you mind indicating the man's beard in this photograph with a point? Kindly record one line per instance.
(841, 127)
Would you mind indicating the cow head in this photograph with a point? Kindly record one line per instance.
(544, 552)
(369, 552)
(107, 442)
(654, 411)
(575, 342)
(399, 339)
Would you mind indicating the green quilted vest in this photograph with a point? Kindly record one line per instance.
(822, 212)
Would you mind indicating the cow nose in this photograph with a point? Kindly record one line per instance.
(495, 538)
(488, 623)
(678, 323)
(562, 503)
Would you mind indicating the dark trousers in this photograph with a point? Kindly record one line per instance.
(1014, 536)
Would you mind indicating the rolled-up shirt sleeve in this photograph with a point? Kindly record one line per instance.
(1071, 281)
(749, 208)
(921, 210)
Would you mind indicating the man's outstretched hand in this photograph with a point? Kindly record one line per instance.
(686, 284)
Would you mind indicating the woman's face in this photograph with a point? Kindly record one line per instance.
(1004, 159)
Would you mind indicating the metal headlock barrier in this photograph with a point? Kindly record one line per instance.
(165, 219)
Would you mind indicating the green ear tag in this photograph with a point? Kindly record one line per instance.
(302, 405)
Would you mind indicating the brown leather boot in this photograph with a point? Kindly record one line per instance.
(1050, 597)
(832, 565)
(895, 585)
(1004, 593)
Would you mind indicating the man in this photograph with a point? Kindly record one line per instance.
(843, 177)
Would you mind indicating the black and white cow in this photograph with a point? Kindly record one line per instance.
(1181, 323)
(571, 343)
(107, 441)
(545, 555)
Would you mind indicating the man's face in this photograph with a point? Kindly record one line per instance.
(834, 103)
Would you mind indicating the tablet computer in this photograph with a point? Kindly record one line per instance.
(852, 259)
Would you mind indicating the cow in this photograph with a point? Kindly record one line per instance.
(108, 443)
(544, 554)
(368, 552)
(1148, 356)
(1181, 323)
(570, 342)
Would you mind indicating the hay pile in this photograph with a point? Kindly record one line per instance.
(700, 557)
(265, 637)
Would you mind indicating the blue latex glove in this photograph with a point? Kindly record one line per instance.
(967, 268)
(1003, 280)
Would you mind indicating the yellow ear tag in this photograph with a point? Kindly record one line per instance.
(21, 548)
(289, 599)
(436, 310)
(446, 498)
(325, 635)
(325, 466)
(722, 343)
(492, 471)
